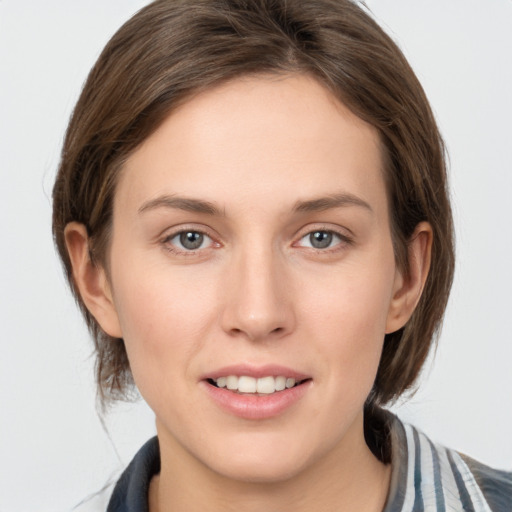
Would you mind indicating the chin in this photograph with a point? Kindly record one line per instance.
(265, 472)
(270, 462)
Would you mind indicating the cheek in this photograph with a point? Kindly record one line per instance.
(347, 316)
(352, 302)
(165, 316)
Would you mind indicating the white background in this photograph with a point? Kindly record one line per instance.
(53, 449)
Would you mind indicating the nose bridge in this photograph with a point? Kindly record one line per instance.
(258, 304)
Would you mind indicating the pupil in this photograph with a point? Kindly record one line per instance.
(320, 239)
(191, 240)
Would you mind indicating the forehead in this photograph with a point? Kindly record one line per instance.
(254, 138)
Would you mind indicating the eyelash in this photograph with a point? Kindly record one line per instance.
(168, 244)
(342, 241)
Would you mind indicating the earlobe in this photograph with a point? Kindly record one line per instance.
(408, 289)
(91, 280)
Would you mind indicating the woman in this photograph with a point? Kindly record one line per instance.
(252, 211)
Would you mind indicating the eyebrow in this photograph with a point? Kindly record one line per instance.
(180, 203)
(331, 201)
(199, 206)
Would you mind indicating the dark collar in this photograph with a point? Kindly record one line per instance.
(131, 491)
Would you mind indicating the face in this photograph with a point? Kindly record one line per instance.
(251, 252)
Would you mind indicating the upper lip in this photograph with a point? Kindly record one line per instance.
(257, 372)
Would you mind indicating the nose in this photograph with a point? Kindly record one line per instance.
(258, 295)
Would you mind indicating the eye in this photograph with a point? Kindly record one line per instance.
(189, 240)
(321, 239)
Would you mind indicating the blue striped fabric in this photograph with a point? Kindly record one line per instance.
(428, 477)
(425, 477)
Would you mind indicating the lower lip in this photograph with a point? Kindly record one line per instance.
(253, 407)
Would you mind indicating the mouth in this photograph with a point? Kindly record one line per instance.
(262, 386)
(256, 392)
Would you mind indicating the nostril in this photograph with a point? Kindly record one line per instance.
(235, 331)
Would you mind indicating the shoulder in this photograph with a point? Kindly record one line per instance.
(428, 476)
(495, 484)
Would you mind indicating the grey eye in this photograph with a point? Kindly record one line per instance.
(320, 239)
(190, 240)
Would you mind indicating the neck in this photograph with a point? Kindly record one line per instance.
(340, 481)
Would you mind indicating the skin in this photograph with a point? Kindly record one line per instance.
(256, 291)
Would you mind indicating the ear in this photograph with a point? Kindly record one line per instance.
(407, 289)
(91, 280)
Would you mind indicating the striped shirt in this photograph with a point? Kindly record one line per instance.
(428, 477)
(425, 477)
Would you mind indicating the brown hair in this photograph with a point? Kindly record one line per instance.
(173, 49)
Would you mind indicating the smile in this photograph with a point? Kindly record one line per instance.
(263, 385)
(256, 393)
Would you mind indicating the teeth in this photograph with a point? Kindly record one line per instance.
(232, 382)
(290, 383)
(247, 384)
(280, 383)
(263, 385)
(266, 385)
